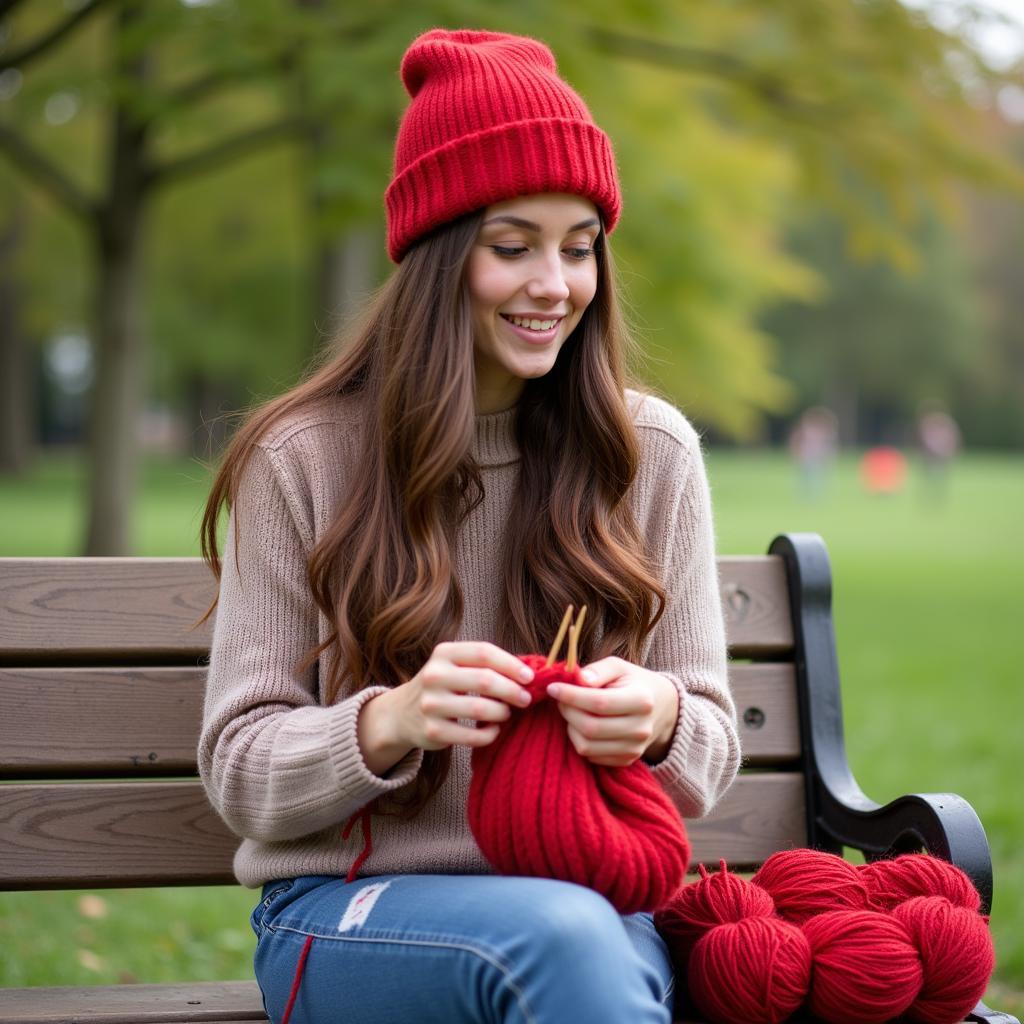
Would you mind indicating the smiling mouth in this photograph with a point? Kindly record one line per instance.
(524, 325)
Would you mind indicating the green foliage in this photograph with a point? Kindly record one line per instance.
(892, 340)
(726, 119)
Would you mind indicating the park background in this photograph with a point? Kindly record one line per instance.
(822, 206)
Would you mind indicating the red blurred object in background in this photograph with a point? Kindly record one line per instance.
(883, 470)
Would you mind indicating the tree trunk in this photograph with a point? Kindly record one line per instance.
(17, 385)
(117, 392)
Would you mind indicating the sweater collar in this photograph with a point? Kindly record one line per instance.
(494, 441)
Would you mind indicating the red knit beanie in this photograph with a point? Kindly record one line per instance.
(490, 120)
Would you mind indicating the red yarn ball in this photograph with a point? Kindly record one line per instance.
(537, 807)
(715, 899)
(890, 882)
(866, 970)
(753, 971)
(956, 953)
(808, 882)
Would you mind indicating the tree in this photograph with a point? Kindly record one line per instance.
(115, 222)
(860, 103)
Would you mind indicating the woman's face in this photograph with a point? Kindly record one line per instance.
(533, 260)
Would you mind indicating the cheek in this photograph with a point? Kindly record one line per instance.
(489, 287)
(584, 287)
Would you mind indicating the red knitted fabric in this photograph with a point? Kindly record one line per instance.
(490, 119)
(537, 807)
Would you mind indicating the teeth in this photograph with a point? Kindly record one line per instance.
(533, 325)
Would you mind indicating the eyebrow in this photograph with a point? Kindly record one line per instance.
(519, 222)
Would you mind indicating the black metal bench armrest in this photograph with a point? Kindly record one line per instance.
(941, 824)
(838, 812)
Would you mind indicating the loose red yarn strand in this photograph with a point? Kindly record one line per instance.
(364, 816)
(299, 968)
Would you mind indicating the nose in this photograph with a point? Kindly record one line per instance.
(548, 283)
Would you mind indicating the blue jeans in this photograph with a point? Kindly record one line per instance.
(457, 948)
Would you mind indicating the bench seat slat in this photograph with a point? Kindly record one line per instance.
(104, 835)
(235, 1001)
(144, 722)
(134, 1004)
(140, 610)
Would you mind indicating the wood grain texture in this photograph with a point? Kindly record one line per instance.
(762, 812)
(755, 603)
(139, 1004)
(766, 711)
(144, 722)
(132, 722)
(61, 836)
(58, 611)
(103, 835)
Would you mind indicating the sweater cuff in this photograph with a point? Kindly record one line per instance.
(671, 769)
(361, 784)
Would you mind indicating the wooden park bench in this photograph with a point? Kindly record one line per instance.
(101, 685)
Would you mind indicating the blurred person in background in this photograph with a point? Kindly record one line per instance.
(813, 443)
(939, 440)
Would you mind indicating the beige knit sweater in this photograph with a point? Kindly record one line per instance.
(285, 773)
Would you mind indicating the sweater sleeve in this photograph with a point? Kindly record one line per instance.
(275, 764)
(688, 646)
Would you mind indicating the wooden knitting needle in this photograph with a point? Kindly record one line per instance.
(561, 636)
(574, 636)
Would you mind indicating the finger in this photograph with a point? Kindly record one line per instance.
(477, 708)
(617, 728)
(608, 751)
(445, 734)
(603, 672)
(604, 700)
(489, 683)
(488, 655)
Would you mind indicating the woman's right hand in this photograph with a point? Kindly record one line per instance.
(461, 679)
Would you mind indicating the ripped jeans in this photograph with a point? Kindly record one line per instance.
(456, 948)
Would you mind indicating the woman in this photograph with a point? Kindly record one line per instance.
(413, 515)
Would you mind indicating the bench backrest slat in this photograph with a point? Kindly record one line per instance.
(57, 611)
(144, 722)
(162, 833)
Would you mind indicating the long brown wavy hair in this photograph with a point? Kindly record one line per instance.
(383, 572)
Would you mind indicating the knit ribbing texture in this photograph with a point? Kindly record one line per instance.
(537, 807)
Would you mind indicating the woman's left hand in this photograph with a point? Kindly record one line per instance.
(621, 713)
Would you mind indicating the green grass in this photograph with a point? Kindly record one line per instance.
(927, 607)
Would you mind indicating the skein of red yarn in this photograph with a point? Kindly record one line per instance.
(866, 969)
(891, 882)
(743, 964)
(753, 971)
(715, 899)
(957, 957)
(537, 807)
(807, 882)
